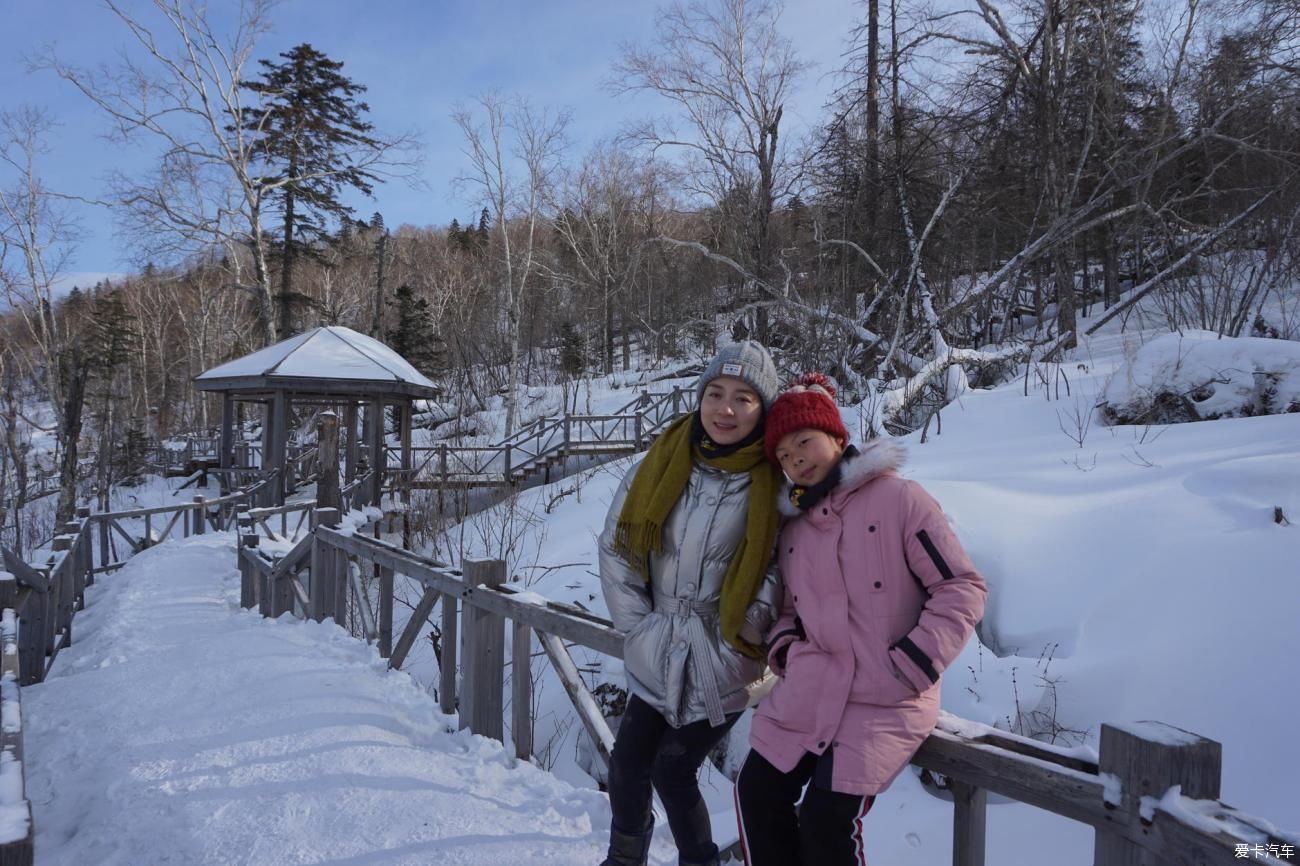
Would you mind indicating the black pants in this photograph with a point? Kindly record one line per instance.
(826, 830)
(650, 751)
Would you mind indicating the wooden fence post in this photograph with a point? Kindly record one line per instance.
(324, 584)
(61, 592)
(247, 579)
(327, 478)
(31, 620)
(484, 667)
(254, 576)
(104, 550)
(250, 583)
(521, 689)
(8, 588)
(447, 663)
(281, 592)
(970, 805)
(76, 568)
(200, 515)
(1146, 759)
(83, 514)
(385, 611)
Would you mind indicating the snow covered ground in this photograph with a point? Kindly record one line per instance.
(180, 729)
(1136, 572)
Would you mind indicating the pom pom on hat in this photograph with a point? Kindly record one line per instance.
(812, 381)
(807, 404)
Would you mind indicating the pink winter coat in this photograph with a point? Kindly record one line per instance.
(879, 600)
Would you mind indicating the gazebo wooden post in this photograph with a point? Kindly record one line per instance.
(268, 436)
(406, 451)
(227, 445)
(378, 459)
(354, 446)
(279, 438)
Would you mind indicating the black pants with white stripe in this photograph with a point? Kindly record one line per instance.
(826, 830)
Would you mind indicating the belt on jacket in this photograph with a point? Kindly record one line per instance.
(678, 606)
(692, 610)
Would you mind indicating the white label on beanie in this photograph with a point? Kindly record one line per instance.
(731, 369)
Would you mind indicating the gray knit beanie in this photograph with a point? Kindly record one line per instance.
(746, 360)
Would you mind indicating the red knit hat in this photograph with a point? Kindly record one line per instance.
(808, 403)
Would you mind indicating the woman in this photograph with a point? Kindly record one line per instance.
(684, 564)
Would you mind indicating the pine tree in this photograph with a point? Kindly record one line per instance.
(312, 141)
(481, 235)
(111, 336)
(573, 350)
(134, 449)
(111, 340)
(414, 337)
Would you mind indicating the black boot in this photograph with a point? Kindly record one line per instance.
(628, 849)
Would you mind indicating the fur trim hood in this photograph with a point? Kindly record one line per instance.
(875, 458)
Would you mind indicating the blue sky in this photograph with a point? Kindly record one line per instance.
(418, 59)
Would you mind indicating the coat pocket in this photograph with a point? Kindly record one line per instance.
(645, 652)
(876, 679)
(735, 671)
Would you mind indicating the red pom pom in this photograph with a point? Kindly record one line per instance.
(819, 380)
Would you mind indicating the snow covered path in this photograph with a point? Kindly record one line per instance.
(180, 729)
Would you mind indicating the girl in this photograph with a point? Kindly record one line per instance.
(879, 600)
(684, 564)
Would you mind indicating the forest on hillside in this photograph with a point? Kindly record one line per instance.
(981, 183)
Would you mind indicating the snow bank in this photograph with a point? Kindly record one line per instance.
(1199, 376)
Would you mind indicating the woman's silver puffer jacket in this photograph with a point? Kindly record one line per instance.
(675, 656)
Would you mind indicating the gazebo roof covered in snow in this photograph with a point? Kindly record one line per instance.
(326, 360)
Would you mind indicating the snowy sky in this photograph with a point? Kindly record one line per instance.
(419, 59)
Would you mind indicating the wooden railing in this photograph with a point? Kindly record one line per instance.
(17, 836)
(162, 522)
(37, 604)
(1152, 795)
(541, 444)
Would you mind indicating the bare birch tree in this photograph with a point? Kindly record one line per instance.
(184, 97)
(37, 237)
(514, 151)
(729, 71)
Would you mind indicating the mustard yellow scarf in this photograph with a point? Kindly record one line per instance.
(659, 483)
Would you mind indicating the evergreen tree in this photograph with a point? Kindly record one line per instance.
(482, 235)
(134, 449)
(111, 341)
(111, 336)
(414, 336)
(573, 350)
(313, 144)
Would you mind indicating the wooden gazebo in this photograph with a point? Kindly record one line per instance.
(329, 367)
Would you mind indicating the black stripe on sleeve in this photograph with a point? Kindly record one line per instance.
(935, 555)
(918, 657)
